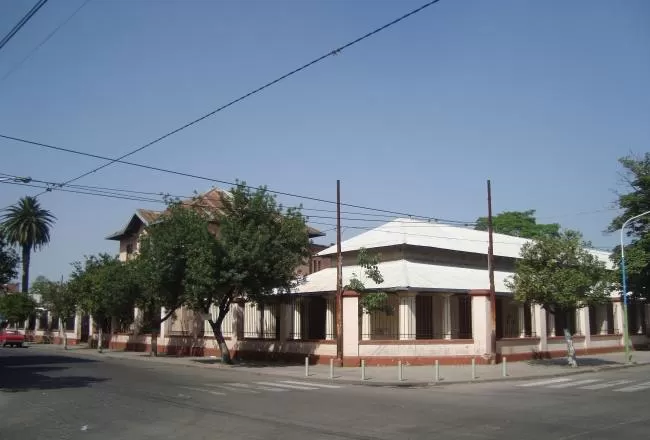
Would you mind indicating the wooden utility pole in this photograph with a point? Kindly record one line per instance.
(493, 299)
(339, 279)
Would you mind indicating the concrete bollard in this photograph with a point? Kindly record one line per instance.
(331, 368)
(363, 369)
(437, 371)
(306, 366)
(504, 367)
(473, 369)
(400, 376)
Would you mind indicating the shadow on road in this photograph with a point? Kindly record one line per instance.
(25, 372)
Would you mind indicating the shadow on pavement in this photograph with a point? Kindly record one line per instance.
(582, 362)
(24, 373)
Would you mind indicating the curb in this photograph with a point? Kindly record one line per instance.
(385, 384)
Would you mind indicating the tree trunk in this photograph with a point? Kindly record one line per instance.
(218, 335)
(26, 257)
(62, 323)
(100, 338)
(154, 343)
(571, 351)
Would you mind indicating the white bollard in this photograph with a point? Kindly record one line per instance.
(473, 369)
(331, 368)
(504, 367)
(306, 366)
(363, 369)
(437, 373)
(399, 371)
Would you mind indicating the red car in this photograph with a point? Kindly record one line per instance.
(11, 337)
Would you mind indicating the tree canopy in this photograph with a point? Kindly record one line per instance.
(27, 224)
(260, 245)
(15, 308)
(369, 301)
(636, 175)
(105, 288)
(58, 299)
(8, 262)
(560, 274)
(519, 224)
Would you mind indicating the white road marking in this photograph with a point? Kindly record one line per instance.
(286, 385)
(311, 384)
(633, 388)
(545, 382)
(261, 387)
(600, 386)
(217, 393)
(573, 384)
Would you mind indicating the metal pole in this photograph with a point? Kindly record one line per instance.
(399, 371)
(306, 366)
(437, 368)
(626, 332)
(473, 369)
(331, 368)
(504, 367)
(493, 300)
(363, 369)
(339, 278)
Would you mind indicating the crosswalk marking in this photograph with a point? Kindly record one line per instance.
(217, 393)
(545, 382)
(235, 388)
(286, 385)
(311, 384)
(573, 384)
(600, 386)
(633, 388)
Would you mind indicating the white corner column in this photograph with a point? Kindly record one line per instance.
(481, 322)
(351, 325)
(619, 319)
(407, 315)
(366, 329)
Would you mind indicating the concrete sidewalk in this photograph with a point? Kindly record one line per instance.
(412, 376)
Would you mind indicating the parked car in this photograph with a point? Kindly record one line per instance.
(11, 338)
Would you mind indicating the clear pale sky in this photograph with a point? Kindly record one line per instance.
(540, 97)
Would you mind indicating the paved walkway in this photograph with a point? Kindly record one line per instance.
(388, 376)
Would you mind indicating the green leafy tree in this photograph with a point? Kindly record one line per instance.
(178, 260)
(260, 246)
(8, 262)
(519, 224)
(58, 299)
(15, 308)
(369, 300)
(105, 288)
(561, 275)
(27, 225)
(635, 201)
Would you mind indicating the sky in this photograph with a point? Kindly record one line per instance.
(542, 98)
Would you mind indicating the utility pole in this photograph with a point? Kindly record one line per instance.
(339, 279)
(493, 299)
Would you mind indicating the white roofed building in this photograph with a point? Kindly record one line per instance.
(437, 279)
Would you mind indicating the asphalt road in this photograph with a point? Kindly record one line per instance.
(45, 395)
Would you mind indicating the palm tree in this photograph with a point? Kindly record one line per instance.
(27, 225)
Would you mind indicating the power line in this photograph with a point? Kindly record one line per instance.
(45, 40)
(21, 23)
(224, 182)
(336, 51)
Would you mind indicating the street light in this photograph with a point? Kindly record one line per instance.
(626, 330)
